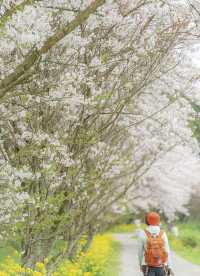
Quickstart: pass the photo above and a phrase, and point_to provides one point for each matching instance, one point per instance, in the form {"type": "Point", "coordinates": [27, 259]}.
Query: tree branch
{"type": "Point", "coordinates": [9, 81]}
{"type": "Point", "coordinates": [10, 12]}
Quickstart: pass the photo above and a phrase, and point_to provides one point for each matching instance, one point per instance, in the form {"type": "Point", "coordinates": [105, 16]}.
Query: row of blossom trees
{"type": "Point", "coordinates": [86, 88]}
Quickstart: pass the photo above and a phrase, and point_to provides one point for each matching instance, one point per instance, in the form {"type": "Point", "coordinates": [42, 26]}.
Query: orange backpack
{"type": "Point", "coordinates": [155, 254]}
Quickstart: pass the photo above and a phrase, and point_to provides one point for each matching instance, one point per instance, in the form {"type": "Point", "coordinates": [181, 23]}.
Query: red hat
{"type": "Point", "coordinates": [153, 218]}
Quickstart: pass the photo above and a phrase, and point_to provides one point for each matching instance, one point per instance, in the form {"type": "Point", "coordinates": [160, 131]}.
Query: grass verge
{"type": "Point", "coordinates": [113, 268]}
{"type": "Point", "coordinates": [187, 245]}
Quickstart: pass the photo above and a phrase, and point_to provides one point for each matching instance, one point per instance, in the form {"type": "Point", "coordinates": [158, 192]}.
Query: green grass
{"type": "Point", "coordinates": [7, 250]}
{"type": "Point", "coordinates": [113, 267]}
{"type": "Point", "coordinates": [123, 228]}
{"type": "Point", "coordinates": [187, 244]}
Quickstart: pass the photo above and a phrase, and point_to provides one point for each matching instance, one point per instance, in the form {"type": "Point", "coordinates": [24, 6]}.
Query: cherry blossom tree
{"type": "Point", "coordinates": [169, 184]}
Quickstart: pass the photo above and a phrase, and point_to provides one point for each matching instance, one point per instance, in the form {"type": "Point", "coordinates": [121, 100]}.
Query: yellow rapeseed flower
{"type": "Point", "coordinates": [90, 263]}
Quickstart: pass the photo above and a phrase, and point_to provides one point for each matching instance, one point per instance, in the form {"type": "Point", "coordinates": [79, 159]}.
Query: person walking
{"type": "Point", "coordinates": [153, 248]}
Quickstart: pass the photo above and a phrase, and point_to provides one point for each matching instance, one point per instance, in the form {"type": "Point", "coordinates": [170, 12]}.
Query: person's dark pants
{"type": "Point", "coordinates": [156, 271]}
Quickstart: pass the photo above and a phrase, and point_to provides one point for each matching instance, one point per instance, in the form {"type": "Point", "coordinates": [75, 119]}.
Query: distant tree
{"type": "Point", "coordinates": [194, 205]}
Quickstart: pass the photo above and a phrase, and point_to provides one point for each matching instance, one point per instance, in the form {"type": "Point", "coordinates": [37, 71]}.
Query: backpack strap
{"type": "Point", "coordinates": [161, 234]}
{"type": "Point", "coordinates": [150, 236]}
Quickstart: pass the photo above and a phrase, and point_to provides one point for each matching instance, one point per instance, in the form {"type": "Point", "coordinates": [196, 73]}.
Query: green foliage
{"type": "Point", "coordinates": [189, 241]}
{"type": "Point", "coordinates": [194, 123]}
{"type": "Point", "coordinates": [195, 127]}
{"type": "Point", "coordinates": [196, 107]}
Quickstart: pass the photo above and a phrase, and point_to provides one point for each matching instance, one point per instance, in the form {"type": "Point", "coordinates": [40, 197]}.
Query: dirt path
{"type": "Point", "coordinates": [129, 261]}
